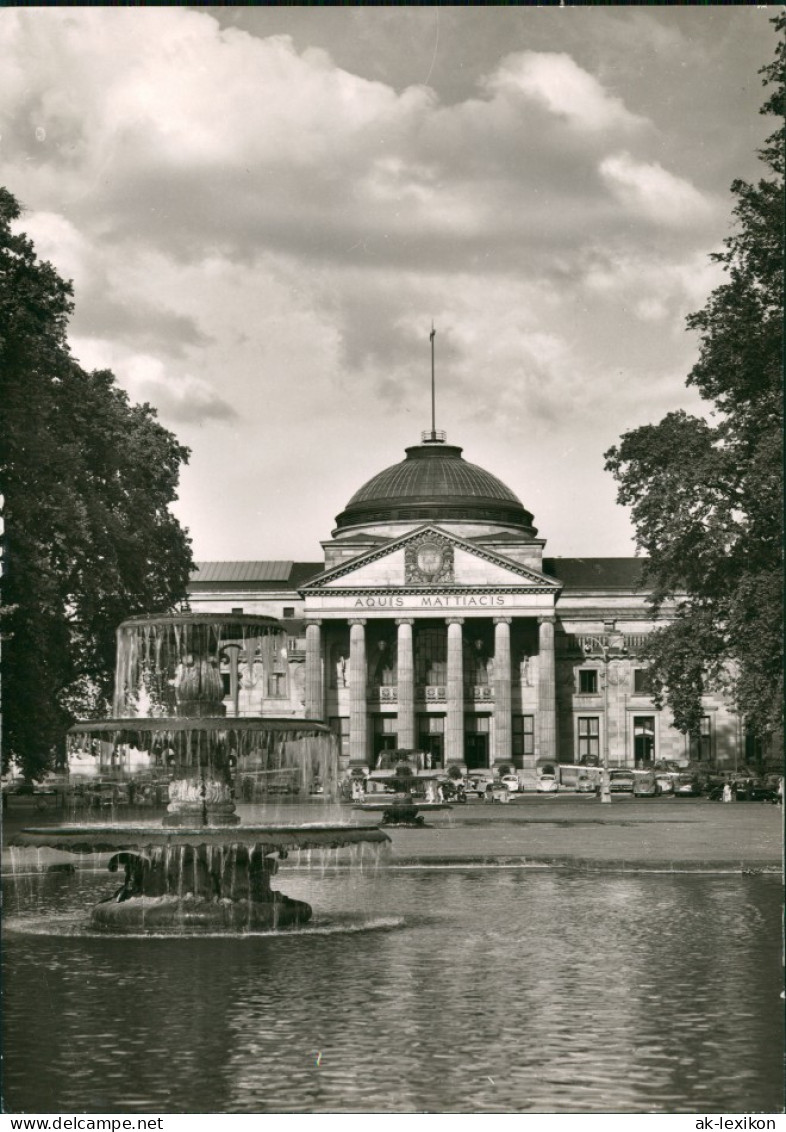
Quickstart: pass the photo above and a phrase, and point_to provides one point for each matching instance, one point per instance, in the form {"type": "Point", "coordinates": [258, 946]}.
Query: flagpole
{"type": "Point", "coordinates": [433, 411]}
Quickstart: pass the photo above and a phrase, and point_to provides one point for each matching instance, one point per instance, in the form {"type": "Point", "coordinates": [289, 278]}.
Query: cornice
{"type": "Point", "coordinates": [429, 591]}
{"type": "Point", "coordinates": [317, 584]}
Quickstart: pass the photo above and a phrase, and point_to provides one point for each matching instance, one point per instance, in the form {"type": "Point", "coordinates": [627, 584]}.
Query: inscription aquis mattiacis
{"type": "Point", "coordinates": [431, 601]}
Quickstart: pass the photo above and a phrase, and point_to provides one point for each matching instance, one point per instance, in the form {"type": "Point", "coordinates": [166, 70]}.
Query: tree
{"type": "Point", "coordinates": [706, 495]}
{"type": "Point", "coordinates": [86, 481]}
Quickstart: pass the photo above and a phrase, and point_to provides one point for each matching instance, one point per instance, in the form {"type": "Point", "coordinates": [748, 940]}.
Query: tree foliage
{"type": "Point", "coordinates": [706, 495]}
{"type": "Point", "coordinates": [86, 479]}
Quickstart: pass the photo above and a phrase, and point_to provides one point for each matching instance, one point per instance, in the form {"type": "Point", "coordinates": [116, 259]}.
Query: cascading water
{"type": "Point", "coordinates": [200, 870]}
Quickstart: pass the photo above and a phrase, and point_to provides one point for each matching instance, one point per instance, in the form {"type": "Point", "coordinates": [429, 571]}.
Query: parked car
{"type": "Point", "coordinates": [757, 790]}
{"type": "Point", "coordinates": [645, 785]}
{"type": "Point", "coordinates": [621, 781]}
{"type": "Point", "coordinates": [511, 781]}
{"type": "Point", "coordinates": [547, 784]}
{"type": "Point", "coordinates": [477, 783]}
{"type": "Point", "coordinates": [279, 788]}
{"type": "Point", "coordinates": [496, 791]}
{"type": "Point", "coordinates": [665, 781]}
{"type": "Point", "coordinates": [586, 785]}
{"type": "Point", "coordinates": [686, 786]}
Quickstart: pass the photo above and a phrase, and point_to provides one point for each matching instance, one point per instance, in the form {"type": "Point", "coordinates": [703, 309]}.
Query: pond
{"type": "Point", "coordinates": [414, 990]}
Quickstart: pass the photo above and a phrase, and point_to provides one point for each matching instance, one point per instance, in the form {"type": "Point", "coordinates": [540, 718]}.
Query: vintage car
{"type": "Point", "coordinates": [645, 784]}
{"type": "Point", "coordinates": [665, 781]}
{"type": "Point", "coordinates": [621, 781]}
{"type": "Point", "coordinates": [686, 786]}
{"type": "Point", "coordinates": [586, 785]}
{"type": "Point", "coordinates": [478, 782]}
{"type": "Point", "coordinates": [547, 784]}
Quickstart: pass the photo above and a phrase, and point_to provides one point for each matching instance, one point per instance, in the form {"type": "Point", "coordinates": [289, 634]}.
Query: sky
{"type": "Point", "coordinates": [262, 210]}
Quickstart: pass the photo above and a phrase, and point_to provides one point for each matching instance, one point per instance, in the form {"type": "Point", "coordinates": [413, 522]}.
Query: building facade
{"type": "Point", "coordinates": [434, 622]}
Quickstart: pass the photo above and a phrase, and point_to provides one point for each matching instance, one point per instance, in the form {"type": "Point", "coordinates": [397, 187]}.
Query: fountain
{"type": "Point", "coordinates": [201, 870]}
{"type": "Point", "coordinates": [409, 789]}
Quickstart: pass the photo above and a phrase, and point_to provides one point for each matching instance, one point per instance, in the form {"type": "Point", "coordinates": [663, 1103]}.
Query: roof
{"type": "Point", "coordinates": [275, 571]}
{"type": "Point", "coordinates": [275, 574]}
{"type": "Point", "coordinates": [574, 573]}
{"type": "Point", "coordinates": [596, 573]}
{"type": "Point", "coordinates": [434, 482]}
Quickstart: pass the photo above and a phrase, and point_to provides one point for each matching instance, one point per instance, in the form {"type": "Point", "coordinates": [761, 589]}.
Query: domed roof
{"type": "Point", "coordinates": [435, 483]}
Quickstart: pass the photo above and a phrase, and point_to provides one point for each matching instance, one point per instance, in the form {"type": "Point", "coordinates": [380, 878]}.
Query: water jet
{"type": "Point", "coordinates": [201, 870]}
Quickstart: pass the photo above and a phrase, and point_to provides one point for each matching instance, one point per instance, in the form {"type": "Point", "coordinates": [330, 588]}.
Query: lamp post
{"type": "Point", "coordinates": [596, 648]}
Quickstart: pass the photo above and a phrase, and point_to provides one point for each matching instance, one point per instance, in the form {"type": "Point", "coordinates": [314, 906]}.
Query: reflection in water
{"type": "Point", "coordinates": [488, 991]}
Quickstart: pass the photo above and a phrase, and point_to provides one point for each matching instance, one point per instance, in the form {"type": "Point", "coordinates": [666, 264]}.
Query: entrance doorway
{"type": "Point", "coordinates": [431, 740]}
{"type": "Point", "coordinates": [383, 743]}
{"type": "Point", "coordinates": [477, 730]}
{"type": "Point", "coordinates": [643, 739]}
{"type": "Point", "coordinates": [385, 737]}
{"type": "Point", "coordinates": [476, 750]}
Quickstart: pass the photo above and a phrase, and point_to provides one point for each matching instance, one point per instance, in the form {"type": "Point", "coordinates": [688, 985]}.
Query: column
{"type": "Point", "coordinates": [547, 701]}
{"type": "Point", "coordinates": [454, 730]}
{"type": "Point", "coordinates": [358, 708]}
{"type": "Point", "coordinates": [315, 695]}
{"type": "Point", "coordinates": [406, 685]}
{"type": "Point", "coordinates": [503, 722]}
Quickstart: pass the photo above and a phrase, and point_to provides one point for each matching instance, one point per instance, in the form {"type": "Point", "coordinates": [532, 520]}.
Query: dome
{"type": "Point", "coordinates": [434, 483]}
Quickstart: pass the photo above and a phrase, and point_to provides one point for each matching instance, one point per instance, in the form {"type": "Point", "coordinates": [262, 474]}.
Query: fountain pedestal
{"type": "Point", "coordinates": [200, 802]}
{"type": "Point", "coordinates": [198, 888]}
{"type": "Point", "coordinates": [402, 809]}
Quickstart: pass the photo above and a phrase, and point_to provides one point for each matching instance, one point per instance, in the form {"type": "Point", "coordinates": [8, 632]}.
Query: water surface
{"type": "Point", "coordinates": [450, 990]}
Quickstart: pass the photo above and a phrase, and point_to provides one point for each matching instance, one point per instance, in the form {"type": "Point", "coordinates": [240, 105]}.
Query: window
{"type": "Point", "coordinates": [480, 724]}
{"type": "Point", "coordinates": [289, 611]}
{"type": "Point", "coordinates": [237, 609]}
{"type": "Point", "coordinates": [523, 737]}
{"type": "Point", "coordinates": [385, 724]}
{"type": "Point", "coordinates": [277, 684]}
{"type": "Point", "coordinates": [642, 682]}
{"type": "Point", "coordinates": [588, 681]}
{"type": "Point", "coordinates": [382, 663]}
{"type": "Point", "coordinates": [589, 736]}
{"type": "Point", "coordinates": [431, 656]}
{"type": "Point", "coordinates": [701, 744]}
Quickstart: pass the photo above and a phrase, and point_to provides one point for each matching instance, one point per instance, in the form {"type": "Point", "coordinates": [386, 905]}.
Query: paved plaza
{"type": "Point", "coordinates": [566, 831]}
{"type": "Point", "coordinates": [628, 833]}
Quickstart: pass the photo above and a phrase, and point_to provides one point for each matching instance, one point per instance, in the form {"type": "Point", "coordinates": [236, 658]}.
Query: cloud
{"type": "Point", "coordinates": [558, 83]}
{"type": "Point", "coordinates": [162, 128]}
{"type": "Point", "coordinates": [56, 238]}
{"type": "Point", "coordinates": [180, 398]}
{"type": "Point", "coordinates": [649, 190]}
{"type": "Point", "coordinates": [259, 235]}
{"type": "Point", "coordinates": [655, 287]}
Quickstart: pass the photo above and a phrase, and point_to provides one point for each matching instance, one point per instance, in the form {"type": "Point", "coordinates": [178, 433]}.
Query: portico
{"type": "Point", "coordinates": [463, 672]}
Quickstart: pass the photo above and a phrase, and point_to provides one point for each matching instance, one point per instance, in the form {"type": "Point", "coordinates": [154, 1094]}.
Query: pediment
{"type": "Point", "coordinates": [430, 559]}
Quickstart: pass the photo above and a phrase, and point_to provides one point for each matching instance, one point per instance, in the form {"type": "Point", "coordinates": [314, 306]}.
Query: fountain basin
{"type": "Point", "coordinates": [401, 811]}
{"type": "Point", "coordinates": [106, 839]}
{"type": "Point", "coordinates": [186, 915]}
{"type": "Point", "coordinates": [205, 879]}
{"type": "Point", "coordinates": [200, 870]}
